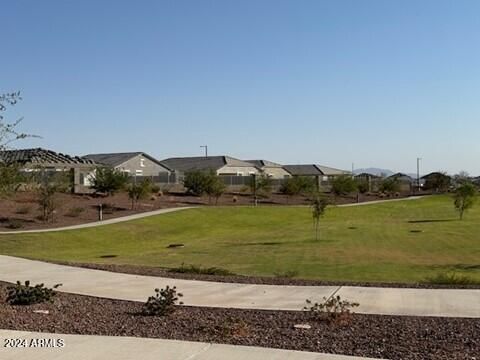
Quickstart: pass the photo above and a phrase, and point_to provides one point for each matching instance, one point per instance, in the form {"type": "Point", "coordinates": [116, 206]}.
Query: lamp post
{"type": "Point", "coordinates": [418, 174]}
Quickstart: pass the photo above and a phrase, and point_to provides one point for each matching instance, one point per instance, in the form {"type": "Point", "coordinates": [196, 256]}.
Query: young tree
{"type": "Point", "coordinates": [464, 197]}
{"type": "Point", "coordinates": [343, 185]}
{"type": "Point", "coordinates": [108, 181]}
{"type": "Point", "coordinates": [139, 191]}
{"type": "Point", "coordinates": [260, 185]}
{"type": "Point", "coordinates": [215, 187]}
{"type": "Point", "coordinates": [8, 132]}
{"type": "Point", "coordinates": [319, 204]}
{"type": "Point", "coordinates": [48, 186]}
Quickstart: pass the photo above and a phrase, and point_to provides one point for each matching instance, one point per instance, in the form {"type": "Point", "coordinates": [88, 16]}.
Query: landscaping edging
{"type": "Point", "coordinates": [392, 337]}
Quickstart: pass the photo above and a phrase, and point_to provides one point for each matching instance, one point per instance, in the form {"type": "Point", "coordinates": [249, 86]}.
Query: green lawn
{"type": "Point", "coordinates": [365, 243]}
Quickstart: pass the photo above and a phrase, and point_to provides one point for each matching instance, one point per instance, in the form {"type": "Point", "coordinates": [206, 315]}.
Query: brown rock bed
{"type": "Point", "coordinates": [278, 280]}
{"type": "Point", "coordinates": [392, 337]}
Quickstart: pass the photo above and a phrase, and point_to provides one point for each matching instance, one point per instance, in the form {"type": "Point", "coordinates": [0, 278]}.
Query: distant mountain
{"type": "Point", "coordinates": [374, 171]}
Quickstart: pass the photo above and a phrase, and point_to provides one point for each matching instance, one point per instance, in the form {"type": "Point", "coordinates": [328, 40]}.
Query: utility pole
{"type": "Point", "coordinates": [206, 149]}
{"type": "Point", "coordinates": [418, 174]}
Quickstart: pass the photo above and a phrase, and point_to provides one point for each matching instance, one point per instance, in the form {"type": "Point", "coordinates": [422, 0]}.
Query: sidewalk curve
{"type": "Point", "coordinates": [165, 211]}
{"type": "Point", "coordinates": [100, 223]}
{"type": "Point", "coordinates": [86, 347]}
{"type": "Point", "coordinates": [386, 301]}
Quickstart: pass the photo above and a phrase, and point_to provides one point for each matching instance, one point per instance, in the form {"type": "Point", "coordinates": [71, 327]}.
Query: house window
{"type": "Point", "coordinates": [239, 173]}
{"type": "Point", "coordinates": [142, 162]}
{"type": "Point", "coordinates": [138, 172]}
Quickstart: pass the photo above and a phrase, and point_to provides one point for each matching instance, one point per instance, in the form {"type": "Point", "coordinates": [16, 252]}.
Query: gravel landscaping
{"type": "Point", "coordinates": [278, 280]}
{"type": "Point", "coordinates": [392, 337]}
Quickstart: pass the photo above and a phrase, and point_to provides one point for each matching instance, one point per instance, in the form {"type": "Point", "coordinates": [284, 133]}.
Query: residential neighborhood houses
{"type": "Point", "coordinates": [140, 165]}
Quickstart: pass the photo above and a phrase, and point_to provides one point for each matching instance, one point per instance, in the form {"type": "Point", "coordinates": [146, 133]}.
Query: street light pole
{"type": "Point", "coordinates": [206, 149]}
{"type": "Point", "coordinates": [418, 174]}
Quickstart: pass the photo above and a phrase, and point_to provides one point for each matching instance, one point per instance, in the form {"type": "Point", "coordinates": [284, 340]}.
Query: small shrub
{"type": "Point", "coordinates": [334, 310]}
{"type": "Point", "coordinates": [162, 303]}
{"type": "Point", "coordinates": [75, 212]}
{"type": "Point", "coordinates": [19, 294]}
{"type": "Point", "coordinates": [15, 224]}
{"type": "Point", "coordinates": [193, 269]}
{"type": "Point", "coordinates": [155, 189]}
{"type": "Point", "coordinates": [450, 278]}
{"type": "Point", "coordinates": [23, 210]}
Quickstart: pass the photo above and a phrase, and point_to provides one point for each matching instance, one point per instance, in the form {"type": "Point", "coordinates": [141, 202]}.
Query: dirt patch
{"type": "Point", "coordinates": [392, 337]}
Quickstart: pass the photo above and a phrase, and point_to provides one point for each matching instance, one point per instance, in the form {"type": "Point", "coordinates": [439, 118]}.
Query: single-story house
{"type": "Point", "coordinates": [405, 181]}
{"type": "Point", "coordinates": [324, 174]}
{"type": "Point", "coordinates": [38, 159]}
{"type": "Point", "coordinates": [437, 181]}
{"type": "Point", "coordinates": [372, 180]}
{"type": "Point", "coordinates": [222, 165]}
{"type": "Point", "coordinates": [132, 163]}
{"type": "Point", "coordinates": [272, 169]}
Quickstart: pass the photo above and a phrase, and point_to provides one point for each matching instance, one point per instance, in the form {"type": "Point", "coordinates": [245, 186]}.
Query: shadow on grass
{"type": "Point", "coordinates": [429, 221]}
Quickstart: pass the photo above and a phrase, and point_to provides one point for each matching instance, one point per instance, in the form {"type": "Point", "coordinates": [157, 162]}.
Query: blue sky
{"type": "Point", "coordinates": [377, 83]}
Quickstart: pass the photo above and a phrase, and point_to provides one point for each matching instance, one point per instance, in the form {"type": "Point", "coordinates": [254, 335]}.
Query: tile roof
{"type": "Point", "coordinates": [262, 163]}
{"type": "Point", "coordinates": [313, 170]}
{"type": "Point", "coordinates": [42, 157]}
{"type": "Point", "coordinates": [116, 159]}
{"type": "Point", "coordinates": [203, 163]}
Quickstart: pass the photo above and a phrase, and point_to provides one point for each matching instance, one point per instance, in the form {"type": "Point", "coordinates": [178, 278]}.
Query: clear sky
{"type": "Point", "coordinates": [377, 83]}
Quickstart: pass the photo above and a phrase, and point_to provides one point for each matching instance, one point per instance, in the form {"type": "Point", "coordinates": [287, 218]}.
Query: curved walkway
{"type": "Point", "coordinates": [387, 301]}
{"type": "Point", "coordinates": [100, 223]}
{"type": "Point", "coordinates": [87, 347]}
{"type": "Point", "coordinates": [164, 211]}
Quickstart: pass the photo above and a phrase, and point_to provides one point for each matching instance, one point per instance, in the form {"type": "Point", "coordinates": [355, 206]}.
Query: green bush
{"type": "Point", "coordinates": [108, 181]}
{"type": "Point", "coordinates": [193, 269]}
{"type": "Point", "coordinates": [155, 189]}
{"type": "Point", "coordinates": [19, 294]}
{"type": "Point", "coordinates": [162, 303]}
{"type": "Point", "coordinates": [343, 185]}
{"type": "Point", "coordinates": [450, 278]}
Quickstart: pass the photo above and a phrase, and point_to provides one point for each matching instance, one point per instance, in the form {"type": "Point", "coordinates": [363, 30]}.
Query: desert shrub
{"type": "Point", "coordinates": [332, 309]}
{"type": "Point", "coordinates": [75, 211]}
{"type": "Point", "coordinates": [196, 182]}
{"type": "Point", "coordinates": [389, 185]}
{"type": "Point", "coordinates": [297, 185]}
{"type": "Point", "coordinates": [19, 294]}
{"type": "Point", "coordinates": [108, 181]}
{"type": "Point", "coordinates": [450, 278]}
{"type": "Point", "coordinates": [163, 302]}
{"type": "Point", "coordinates": [194, 269]}
{"type": "Point", "coordinates": [363, 186]}
{"type": "Point", "coordinates": [343, 185]}
{"type": "Point", "coordinates": [139, 191]}
{"type": "Point", "coordinates": [14, 224]}
{"type": "Point", "coordinates": [23, 210]}
{"type": "Point", "coordinates": [155, 189]}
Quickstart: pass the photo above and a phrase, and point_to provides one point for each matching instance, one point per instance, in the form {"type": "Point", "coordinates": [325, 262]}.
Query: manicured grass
{"type": "Point", "coordinates": [404, 241]}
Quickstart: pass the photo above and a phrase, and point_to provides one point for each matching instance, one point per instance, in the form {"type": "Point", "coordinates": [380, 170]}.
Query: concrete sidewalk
{"type": "Point", "coordinates": [86, 347]}
{"type": "Point", "coordinates": [387, 301]}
